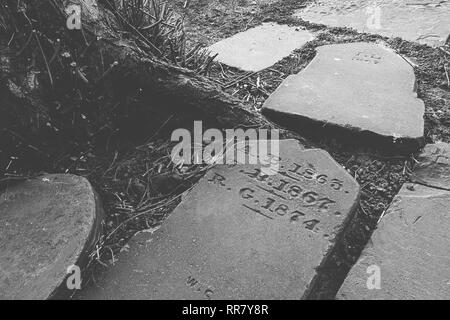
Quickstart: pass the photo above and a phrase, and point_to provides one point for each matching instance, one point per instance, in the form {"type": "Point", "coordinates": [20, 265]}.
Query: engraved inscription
{"type": "Point", "coordinates": [218, 179]}
{"type": "Point", "coordinates": [298, 193]}
{"type": "Point", "coordinates": [441, 155]}
{"type": "Point", "coordinates": [367, 57]}
{"type": "Point", "coordinates": [199, 287]}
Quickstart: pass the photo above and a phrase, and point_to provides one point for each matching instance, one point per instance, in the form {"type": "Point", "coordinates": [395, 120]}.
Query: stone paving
{"type": "Point", "coordinates": [426, 22]}
{"type": "Point", "coordinates": [410, 249]}
{"type": "Point", "coordinates": [241, 234]}
{"type": "Point", "coordinates": [47, 224]}
{"type": "Point", "coordinates": [433, 168]}
{"type": "Point", "coordinates": [354, 86]}
{"type": "Point", "coordinates": [260, 47]}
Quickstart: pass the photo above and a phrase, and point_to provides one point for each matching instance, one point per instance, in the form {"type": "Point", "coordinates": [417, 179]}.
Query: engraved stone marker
{"type": "Point", "coordinates": [240, 234]}
{"type": "Point", "coordinates": [260, 47]}
{"type": "Point", "coordinates": [426, 22]}
{"type": "Point", "coordinates": [409, 252]}
{"type": "Point", "coordinates": [47, 224]}
{"type": "Point", "coordinates": [359, 86]}
{"type": "Point", "coordinates": [434, 166]}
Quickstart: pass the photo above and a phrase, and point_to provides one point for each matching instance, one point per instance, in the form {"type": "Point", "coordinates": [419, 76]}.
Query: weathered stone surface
{"type": "Point", "coordinates": [360, 86]}
{"type": "Point", "coordinates": [240, 235]}
{"type": "Point", "coordinates": [426, 22]}
{"type": "Point", "coordinates": [433, 168]}
{"type": "Point", "coordinates": [46, 225]}
{"type": "Point", "coordinates": [260, 47]}
{"type": "Point", "coordinates": [411, 248]}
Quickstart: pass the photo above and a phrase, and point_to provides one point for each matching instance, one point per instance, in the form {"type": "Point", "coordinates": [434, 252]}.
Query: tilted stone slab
{"type": "Point", "coordinates": [359, 86]}
{"type": "Point", "coordinates": [410, 247]}
{"type": "Point", "coordinates": [433, 168]}
{"type": "Point", "coordinates": [260, 47]}
{"type": "Point", "coordinates": [426, 22]}
{"type": "Point", "coordinates": [240, 234]}
{"type": "Point", "coordinates": [46, 225]}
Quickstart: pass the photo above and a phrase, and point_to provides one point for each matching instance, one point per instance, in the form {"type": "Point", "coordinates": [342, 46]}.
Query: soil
{"type": "Point", "coordinates": [128, 161]}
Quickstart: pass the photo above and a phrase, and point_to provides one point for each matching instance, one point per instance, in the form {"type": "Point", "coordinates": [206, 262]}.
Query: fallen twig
{"type": "Point", "coordinates": [446, 74]}
{"type": "Point", "coordinates": [445, 51]}
{"type": "Point", "coordinates": [45, 59]}
{"type": "Point", "coordinates": [245, 76]}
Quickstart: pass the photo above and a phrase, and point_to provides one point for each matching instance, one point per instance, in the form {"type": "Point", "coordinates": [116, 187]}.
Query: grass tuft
{"type": "Point", "coordinates": [159, 30]}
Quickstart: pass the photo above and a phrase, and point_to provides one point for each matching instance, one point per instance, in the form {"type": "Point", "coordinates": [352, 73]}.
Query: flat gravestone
{"type": "Point", "coordinates": [259, 47]}
{"type": "Point", "coordinates": [47, 224]}
{"type": "Point", "coordinates": [433, 168]}
{"type": "Point", "coordinates": [359, 86]}
{"type": "Point", "coordinates": [409, 250]}
{"type": "Point", "coordinates": [240, 234]}
{"type": "Point", "coordinates": [426, 22]}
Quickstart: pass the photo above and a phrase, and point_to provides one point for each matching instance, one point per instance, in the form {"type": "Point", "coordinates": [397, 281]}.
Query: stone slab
{"type": "Point", "coordinates": [426, 22]}
{"type": "Point", "coordinates": [433, 168]}
{"type": "Point", "coordinates": [260, 47]}
{"type": "Point", "coordinates": [240, 235]}
{"type": "Point", "coordinates": [359, 86]}
{"type": "Point", "coordinates": [411, 248]}
{"type": "Point", "coordinates": [46, 225]}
